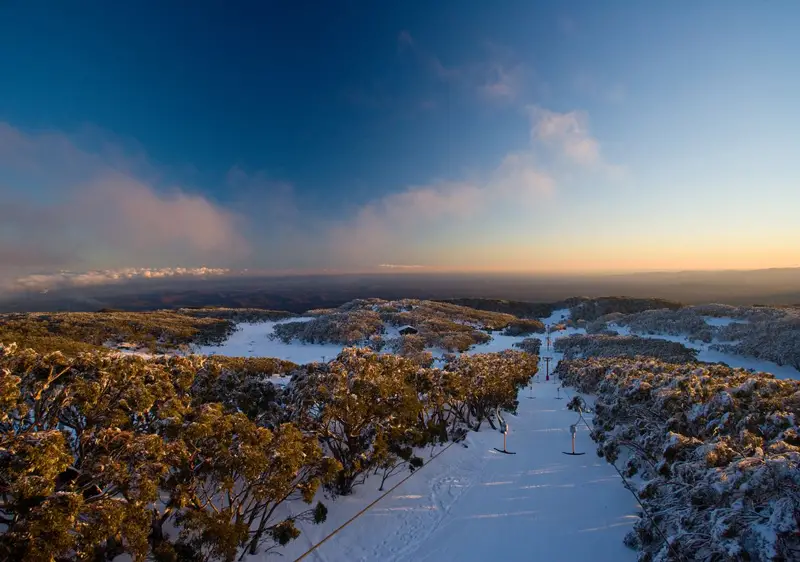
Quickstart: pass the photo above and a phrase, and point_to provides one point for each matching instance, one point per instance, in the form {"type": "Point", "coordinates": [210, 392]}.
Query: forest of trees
{"type": "Point", "coordinates": [185, 459]}
{"type": "Point", "coordinates": [717, 452]}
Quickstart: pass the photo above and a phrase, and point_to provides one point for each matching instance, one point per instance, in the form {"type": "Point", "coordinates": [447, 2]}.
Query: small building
{"type": "Point", "coordinates": [408, 331]}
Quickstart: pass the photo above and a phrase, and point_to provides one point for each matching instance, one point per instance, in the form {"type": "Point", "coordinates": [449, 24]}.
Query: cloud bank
{"type": "Point", "coordinates": [66, 207]}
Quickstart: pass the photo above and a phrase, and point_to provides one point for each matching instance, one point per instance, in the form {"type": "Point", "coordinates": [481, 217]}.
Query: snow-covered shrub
{"type": "Point", "coordinates": [238, 315]}
{"type": "Point", "coordinates": [529, 345]}
{"type": "Point", "coordinates": [524, 328]}
{"type": "Point", "coordinates": [682, 322]}
{"type": "Point", "coordinates": [74, 332]}
{"type": "Point", "coordinates": [600, 325]}
{"type": "Point", "coordinates": [717, 449]}
{"type": "Point", "coordinates": [601, 345]}
{"type": "Point", "coordinates": [348, 328]}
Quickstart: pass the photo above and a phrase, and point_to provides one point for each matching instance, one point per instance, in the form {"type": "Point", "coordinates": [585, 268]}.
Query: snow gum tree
{"type": "Point", "coordinates": [365, 411]}
{"type": "Point", "coordinates": [479, 384]}
{"type": "Point", "coordinates": [232, 477]}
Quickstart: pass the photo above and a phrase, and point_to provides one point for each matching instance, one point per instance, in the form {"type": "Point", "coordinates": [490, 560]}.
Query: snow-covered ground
{"type": "Point", "coordinates": [476, 504]}
{"type": "Point", "coordinates": [723, 321]}
{"type": "Point", "coordinates": [253, 340]}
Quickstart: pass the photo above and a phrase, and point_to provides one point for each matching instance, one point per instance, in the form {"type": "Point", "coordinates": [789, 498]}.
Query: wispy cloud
{"type": "Point", "coordinates": [498, 78]}
{"type": "Point", "coordinates": [400, 266]}
{"type": "Point", "coordinates": [568, 134]}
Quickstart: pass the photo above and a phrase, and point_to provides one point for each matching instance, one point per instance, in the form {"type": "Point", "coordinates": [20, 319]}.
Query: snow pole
{"type": "Point", "coordinates": [558, 394]}
{"type": "Point", "coordinates": [504, 431]}
{"type": "Point", "coordinates": [573, 429]}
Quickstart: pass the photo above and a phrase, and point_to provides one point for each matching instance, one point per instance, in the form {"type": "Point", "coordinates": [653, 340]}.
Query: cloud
{"type": "Point", "coordinates": [68, 207]}
{"type": "Point", "coordinates": [497, 79]}
{"type": "Point", "coordinates": [419, 223]}
{"type": "Point", "coordinates": [400, 266]}
{"type": "Point", "coordinates": [108, 276]}
{"type": "Point", "coordinates": [568, 132]}
{"type": "Point", "coordinates": [568, 135]}
{"type": "Point", "coordinates": [399, 224]}
{"type": "Point", "coordinates": [501, 83]}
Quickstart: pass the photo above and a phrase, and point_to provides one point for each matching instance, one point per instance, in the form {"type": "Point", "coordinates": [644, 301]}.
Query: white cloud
{"type": "Point", "coordinates": [568, 135]}
{"type": "Point", "coordinates": [568, 132]}
{"type": "Point", "coordinates": [104, 277]}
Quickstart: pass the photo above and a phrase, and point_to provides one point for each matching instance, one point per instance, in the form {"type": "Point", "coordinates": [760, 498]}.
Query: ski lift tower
{"type": "Point", "coordinates": [547, 363]}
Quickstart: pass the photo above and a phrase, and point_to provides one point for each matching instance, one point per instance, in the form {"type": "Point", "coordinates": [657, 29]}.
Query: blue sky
{"type": "Point", "coordinates": [580, 136]}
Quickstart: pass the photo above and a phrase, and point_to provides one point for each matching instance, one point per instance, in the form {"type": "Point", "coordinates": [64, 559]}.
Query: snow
{"type": "Point", "coordinates": [253, 340]}
{"type": "Point", "coordinates": [723, 321]}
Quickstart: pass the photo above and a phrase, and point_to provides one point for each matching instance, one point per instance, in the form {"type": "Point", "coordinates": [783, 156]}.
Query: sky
{"type": "Point", "coordinates": [390, 136]}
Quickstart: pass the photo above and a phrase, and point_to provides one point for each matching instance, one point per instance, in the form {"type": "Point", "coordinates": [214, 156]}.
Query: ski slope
{"type": "Point", "coordinates": [475, 504]}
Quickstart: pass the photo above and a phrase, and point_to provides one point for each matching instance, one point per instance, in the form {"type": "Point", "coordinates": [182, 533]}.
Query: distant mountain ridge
{"type": "Point", "coordinates": [300, 293]}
